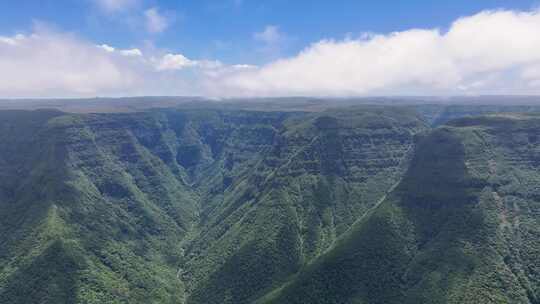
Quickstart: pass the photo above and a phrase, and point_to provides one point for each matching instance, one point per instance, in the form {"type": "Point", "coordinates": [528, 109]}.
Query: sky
{"type": "Point", "coordinates": [245, 48]}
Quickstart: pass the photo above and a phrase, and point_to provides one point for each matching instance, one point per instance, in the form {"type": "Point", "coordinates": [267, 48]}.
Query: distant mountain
{"type": "Point", "coordinates": [226, 203]}
{"type": "Point", "coordinates": [276, 104]}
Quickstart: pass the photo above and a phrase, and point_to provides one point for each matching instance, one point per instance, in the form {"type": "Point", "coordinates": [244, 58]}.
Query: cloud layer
{"type": "Point", "coordinates": [493, 52]}
{"type": "Point", "coordinates": [46, 63]}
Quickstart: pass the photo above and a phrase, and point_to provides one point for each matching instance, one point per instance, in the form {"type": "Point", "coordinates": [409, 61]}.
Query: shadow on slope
{"type": "Point", "coordinates": [417, 246]}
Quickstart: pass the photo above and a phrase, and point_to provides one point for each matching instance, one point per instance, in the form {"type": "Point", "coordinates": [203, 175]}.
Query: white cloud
{"type": "Point", "coordinates": [417, 61]}
{"type": "Point", "coordinates": [127, 52]}
{"type": "Point", "coordinates": [47, 63]}
{"type": "Point", "coordinates": [269, 35]}
{"type": "Point", "coordinates": [131, 53]}
{"type": "Point", "coordinates": [155, 21]}
{"type": "Point", "coordinates": [107, 48]}
{"type": "Point", "coordinates": [12, 40]}
{"type": "Point", "coordinates": [532, 75]}
{"type": "Point", "coordinates": [174, 62]}
{"type": "Point", "coordinates": [112, 6]}
{"type": "Point", "coordinates": [244, 66]}
{"type": "Point", "coordinates": [495, 52]}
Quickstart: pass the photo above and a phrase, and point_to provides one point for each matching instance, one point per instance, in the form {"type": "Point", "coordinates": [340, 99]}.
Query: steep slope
{"type": "Point", "coordinates": [356, 205]}
{"type": "Point", "coordinates": [97, 208]}
{"type": "Point", "coordinates": [135, 208]}
{"type": "Point", "coordinates": [29, 167]}
{"type": "Point", "coordinates": [461, 227]}
{"type": "Point", "coordinates": [323, 171]}
{"type": "Point", "coordinates": [110, 223]}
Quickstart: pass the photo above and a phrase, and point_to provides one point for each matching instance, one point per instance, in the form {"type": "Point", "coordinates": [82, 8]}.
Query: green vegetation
{"type": "Point", "coordinates": [459, 228]}
{"type": "Point", "coordinates": [365, 204]}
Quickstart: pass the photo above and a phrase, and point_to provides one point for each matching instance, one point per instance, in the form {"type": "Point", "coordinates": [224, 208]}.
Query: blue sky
{"type": "Point", "coordinates": [190, 36]}
{"type": "Point", "coordinates": [225, 29]}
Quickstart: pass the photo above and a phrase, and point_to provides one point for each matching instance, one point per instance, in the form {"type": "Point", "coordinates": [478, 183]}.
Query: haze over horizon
{"type": "Point", "coordinates": [235, 48]}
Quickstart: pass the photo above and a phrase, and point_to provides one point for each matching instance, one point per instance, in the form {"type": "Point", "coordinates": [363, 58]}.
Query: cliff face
{"type": "Point", "coordinates": [355, 205]}
{"type": "Point", "coordinates": [322, 172]}
{"type": "Point", "coordinates": [461, 226]}
{"type": "Point", "coordinates": [117, 195]}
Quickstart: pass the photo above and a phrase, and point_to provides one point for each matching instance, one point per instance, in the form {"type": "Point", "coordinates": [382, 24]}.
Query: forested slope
{"type": "Point", "coordinates": [461, 227]}
{"type": "Point", "coordinates": [364, 204]}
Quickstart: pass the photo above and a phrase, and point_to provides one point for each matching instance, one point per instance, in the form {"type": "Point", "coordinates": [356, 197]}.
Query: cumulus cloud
{"type": "Point", "coordinates": [155, 21]}
{"type": "Point", "coordinates": [481, 53]}
{"type": "Point", "coordinates": [493, 52]}
{"type": "Point", "coordinates": [174, 62]}
{"type": "Point", "coordinates": [47, 63]}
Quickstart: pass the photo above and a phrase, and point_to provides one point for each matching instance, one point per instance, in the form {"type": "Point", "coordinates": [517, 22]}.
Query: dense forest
{"type": "Point", "coordinates": [203, 203]}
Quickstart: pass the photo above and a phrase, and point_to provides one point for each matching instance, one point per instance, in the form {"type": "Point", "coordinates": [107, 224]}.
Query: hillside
{"type": "Point", "coordinates": [462, 226]}
{"type": "Point", "coordinates": [365, 204]}
{"type": "Point", "coordinates": [322, 172]}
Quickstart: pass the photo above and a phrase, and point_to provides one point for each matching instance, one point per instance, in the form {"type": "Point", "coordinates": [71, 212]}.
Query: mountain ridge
{"type": "Point", "coordinates": [166, 205]}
